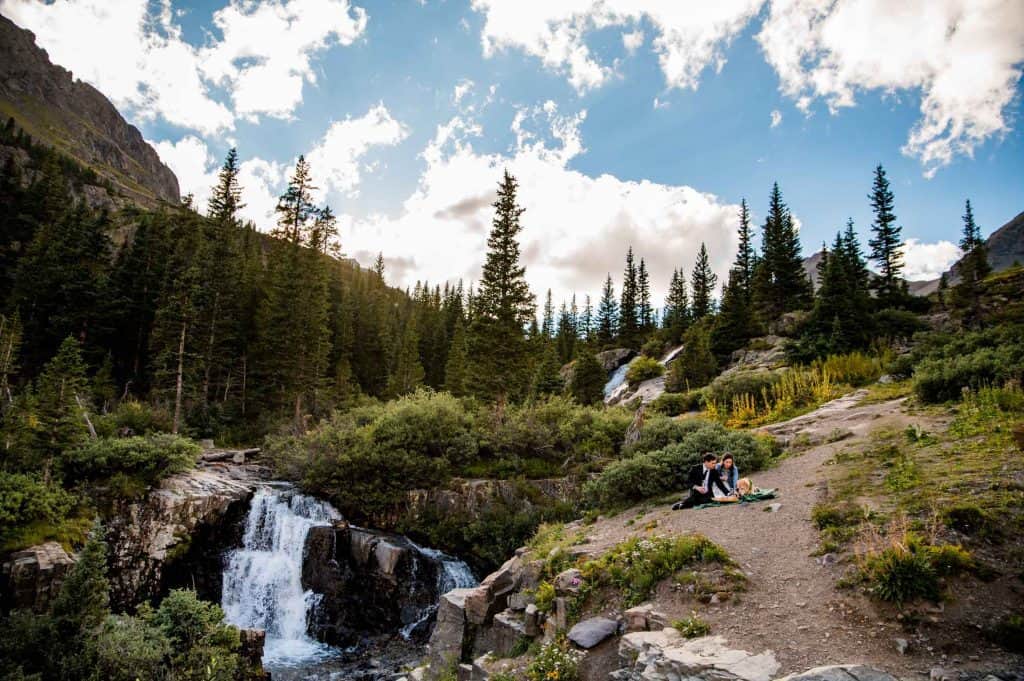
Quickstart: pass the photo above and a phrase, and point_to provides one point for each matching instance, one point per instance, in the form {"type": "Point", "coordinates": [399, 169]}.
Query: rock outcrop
{"type": "Point", "coordinates": [74, 117]}
{"type": "Point", "coordinates": [30, 578]}
{"type": "Point", "coordinates": [371, 583]}
{"type": "Point", "coordinates": [174, 536]}
{"type": "Point", "coordinates": [651, 655]}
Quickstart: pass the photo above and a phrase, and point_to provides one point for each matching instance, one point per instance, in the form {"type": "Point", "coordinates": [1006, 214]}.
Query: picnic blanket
{"type": "Point", "coordinates": [759, 495]}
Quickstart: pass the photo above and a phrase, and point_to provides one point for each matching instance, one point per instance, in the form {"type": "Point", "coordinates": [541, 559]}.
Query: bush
{"type": "Point", "coordinates": [696, 364]}
{"type": "Point", "coordinates": [202, 645]}
{"type": "Point", "coordinates": [943, 378]}
{"type": "Point", "coordinates": [692, 627]}
{"type": "Point", "coordinates": [654, 348]}
{"type": "Point", "coordinates": [556, 661]}
{"type": "Point", "coordinates": [659, 432]}
{"type": "Point", "coordinates": [147, 459]}
{"type": "Point", "coordinates": [909, 568]}
{"type": "Point", "coordinates": [898, 324]}
{"type": "Point", "coordinates": [673, 404]}
{"type": "Point", "coordinates": [132, 417]}
{"type": "Point", "coordinates": [854, 368]}
{"type": "Point", "coordinates": [27, 499]}
{"type": "Point", "coordinates": [643, 368]}
{"type": "Point", "coordinates": [723, 389]}
{"type": "Point", "coordinates": [544, 597]}
{"type": "Point", "coordinates": [656, 473]}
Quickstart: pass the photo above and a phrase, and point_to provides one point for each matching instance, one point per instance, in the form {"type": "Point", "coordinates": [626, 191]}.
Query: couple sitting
{"type": "Point", "coordinates": [712, 481]}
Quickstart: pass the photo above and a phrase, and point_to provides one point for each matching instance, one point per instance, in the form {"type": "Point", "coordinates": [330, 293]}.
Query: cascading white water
{"type": "Point", "coordinates": [617, 380]}
{"type": "Point", "coordinates": [452, 574]}
{"type": "Point", "coordinates": [263, 579]}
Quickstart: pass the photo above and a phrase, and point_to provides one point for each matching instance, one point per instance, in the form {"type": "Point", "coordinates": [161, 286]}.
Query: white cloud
{"type": "Point", "coordinates": [576, 227]}
{"type": "Point", "coordinates": [136, 59]}
{"type": "Point", "coordinates": [923, 261]}
{"type": "Point", "coordinates": [261, 181]}
{"type": "Point", "coordinates": [462, 88]}
{"type": "Point", "coordinates": [963, 56]}
{"type": "Point", "coordinates": [776, 118]}
{"type": "Point", "coordinates": [660, 104]}
{"type": "Point", "coordinates": [633, 40]}
{"type": "Point", "coordinates": [336, 160]}
{"type": "Point", "coordinates": [687, 36]}
{"type": "Point", "coordinates": [266, 46]}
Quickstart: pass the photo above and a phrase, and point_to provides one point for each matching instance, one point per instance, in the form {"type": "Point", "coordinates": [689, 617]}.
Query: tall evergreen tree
{"type": "Point", "coordinates": [629, 323]}
{"type": "Point", "coordinates": [226, 199]}
{"type": "Point", "coordinates": [676, 316]}
{"type": "Point", "coordinates": [547, 326]}
{"type": "Point", "coordinates": [565, 338]}
{"type": "Point", "coordinates": [408, 373]}
{"type": "Point", "coordinates": [61, 404]}
{"type": "Point", "coordinates": [746, 257]}
{"type": "Point", "coordinates": [455, 369]}
{"type": "Point", "coordinates": [645, 312]}
{"type": "Point", "coordinates": [779, 282]}
{"type": "Point", "coordinates": [972, 268]}
{"type": "Point", "coordinates": [547, 379]}
{"type": "Point", "coordinates": [703, 282]}
{"type": "Point", "coordinates": [607, 314]}
{"type": "Point", "coordinates": [588, 379]}
{"type": "Point", "coordinates": [503, 306]}
{"type": "Point", "coordinates": [585, 328]}
{"type": "Point", "coordinates": [886, 244]}
{"type": "Point", "coordinates": [735, 324]}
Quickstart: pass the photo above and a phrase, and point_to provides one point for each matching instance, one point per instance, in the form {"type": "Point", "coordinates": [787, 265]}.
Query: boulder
{"type": "Point", "coordinates": [664, 654]}
{"type": "Point", "coordinates": [568, 582]}
{"type": "Point", "coordinates": [31, 578]}
{"type": "Point", "coordinates": [251, 653]}
{"type": "Point", "coordinates": [841, 672]}
{"type": "Point", "coordinates": [507, 629]}
{"type": "Point", "coordinates": [590, 632]}
{"type": "Point", "coordinates": [531, 625]}
{"type": "Point", "coordinates": [644, 617]}
{"type": "Point", "coordinates": [493, 593]}
{"type": "Point", "coordinates": [611, 360]}
{"type": "Point", "coordinates": [449, 635]}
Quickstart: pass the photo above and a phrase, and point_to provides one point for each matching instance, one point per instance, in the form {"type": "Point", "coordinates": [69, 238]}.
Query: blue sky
{"type": "Point", "coordinates": [650, 145]}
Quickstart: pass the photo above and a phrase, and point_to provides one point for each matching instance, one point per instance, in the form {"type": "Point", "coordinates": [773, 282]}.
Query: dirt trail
{"type": "Point", "coordinates": [791, 605]}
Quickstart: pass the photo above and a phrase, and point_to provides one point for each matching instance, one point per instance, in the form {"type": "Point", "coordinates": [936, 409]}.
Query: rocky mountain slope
{"type": "Point", "coordinates": [47, 102]}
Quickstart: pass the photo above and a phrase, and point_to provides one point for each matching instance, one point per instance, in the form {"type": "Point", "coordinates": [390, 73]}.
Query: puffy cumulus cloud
{"type": "Point", "coordinates": [136, 58]}
{"type": "Point", "coordinates": [776, 118]}
{"type": "Point", "coordinates": [633, 40]}
{"type": "Point", "coordinates": [337, 159]}
{"type": "Point", "coordinates": [963, 56]}
{"type": "Point", "coordinates": [462, 88]}
{"type": "Point", "coordinates": [264, 54]}
{"type": "Point", "coordinates": [134, 53]}
{"type": "Point", "coordinates": [197, 169]}
{"type": "Point", "coordinates": [687, 36]}
{"type": "Point", "coordinates": [924, 261]}
{"type": "Point", "coordinates": [575, 228]}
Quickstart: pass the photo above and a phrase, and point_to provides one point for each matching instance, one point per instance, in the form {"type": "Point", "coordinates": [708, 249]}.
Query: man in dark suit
{"type": "Point", "coordinates": [702, 480]}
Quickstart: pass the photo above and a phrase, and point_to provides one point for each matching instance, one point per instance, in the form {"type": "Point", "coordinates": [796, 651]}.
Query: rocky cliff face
{"type": "Point", "coordinates": [47, 102]}
{"type": "Point", "coordinates": [372, 583]}
{"type": "Point", "coordinates": [174, 536]}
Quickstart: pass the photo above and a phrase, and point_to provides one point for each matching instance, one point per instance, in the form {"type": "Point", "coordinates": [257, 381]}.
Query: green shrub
{"type": "Point", "coordinates": [544, 597]}
{"type": "Point", "coordinates": [944, 378]}
{"type": "Point", "coordinates": [128, 649]}
{"type": "Point", "coordinates": [643, 368]}
{"type": "Point", "coordinates": [723, 389]}
{"type": "Point", "coordinates": [971, 520]}
{"type": "Point", "coordinates": [1009, 633]}
{"type": "Point", "coordinates": [203, 646]}
{"type": "Point", "coordinates": [654, 348]}
{"type": "Point", "coordinates": [556, 661]}
{"type": "Point", "coordinates": [659, 432]}
{"type": "Point", "coordinates": [147, 459]}
{"type": "Point", "coordinates": [909, 568]}
{"type": "Point", "coordinates": [28, 499]}
{"type": "Point", "coordinates": [898, 324]}
{"type": "Point", "coordinates": [661, 471]}
{"type": "Point", "coordinates": [673, 404]}
{"type": "Point", "coordinates": [131, 417]}
{"type": "Point", "coordinates": [692, 627]}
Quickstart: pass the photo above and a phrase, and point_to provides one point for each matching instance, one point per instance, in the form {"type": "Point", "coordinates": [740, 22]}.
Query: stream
{"type": "Point", "coordinates": [263, 590]}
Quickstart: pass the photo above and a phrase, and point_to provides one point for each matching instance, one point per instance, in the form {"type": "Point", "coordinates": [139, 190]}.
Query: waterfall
{"type": "Point", "coordinates": [617, 380]}
{"type": "Point", "coordinates": [263, 579]}
{"type": "Point", "coordinates": [452, 574]}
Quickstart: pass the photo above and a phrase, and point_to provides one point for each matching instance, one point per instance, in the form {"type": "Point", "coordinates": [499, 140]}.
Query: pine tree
{"type": "Point", "coordinates": [503, 306]}
{"type": "Point", "coordinates": [10, 346]}
{"type": "Point", "coordinates": [746, 258]}
{"type": "Point", "coordinates": [548, 379]}
{"type": "Point", "coordinates": [703, 282]}
{"type": "Point", "coordinates": [972, 268]}
{"type": "Point", "coordinates": [565, 338]}
{"type": "Point", "coordinates": [629, 323]}
{"type": "Point", "coordinates": [735, 324]}
{"type": "Point", "coordinates": [886, 244]}
{"type": "Point", "coordinates": [408, 373]}
{"type": "Point", "coordinates": [548, 325]}
{"type": "Point", "coordinates": [645, 311]}
{"type": "Point", "coordinates": [83, 601]}
{"type": "Point", "coordinates": [61, 404]}
{"type": "Point", "coordinates": [677, 308]}
{"type": "Point", "coordinates": [779, 283]}
{"type": "Point", "coordinates": [378, 266]}
{"type": "Point", "coordinates": [607, 314]}
{"type": "Point", "coordinates": [226, 200]}
{"type": "Point", "coordinates": [588, 379]}
{"type": "Point", "coordinates": [696, 364]}
{"type": "Point", "coordinates": [585, 328]}
{"type": "Point", "coordinates": [455, 370]}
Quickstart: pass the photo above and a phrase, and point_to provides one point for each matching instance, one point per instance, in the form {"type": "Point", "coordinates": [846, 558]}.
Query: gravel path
{"type": "Point", "coordinates": [791, 606]}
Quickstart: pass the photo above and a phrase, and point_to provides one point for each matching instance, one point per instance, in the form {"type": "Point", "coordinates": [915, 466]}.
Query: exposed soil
{"type": "Point", "coordinates": [792, 605]}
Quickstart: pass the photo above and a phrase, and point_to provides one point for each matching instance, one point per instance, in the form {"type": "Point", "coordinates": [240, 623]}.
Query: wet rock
{"type": "Point", "coordinates": [31, 578]}
{"type": "Point", "coordinates": [251, 653]}
{"type": "Point", "coordinates": [589, 633]}
{"type": "Point", "coordinates": [450, 630]}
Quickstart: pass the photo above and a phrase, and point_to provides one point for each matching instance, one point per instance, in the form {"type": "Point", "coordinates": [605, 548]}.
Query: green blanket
{"type": "Point", "coordinates": [759, 495]}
